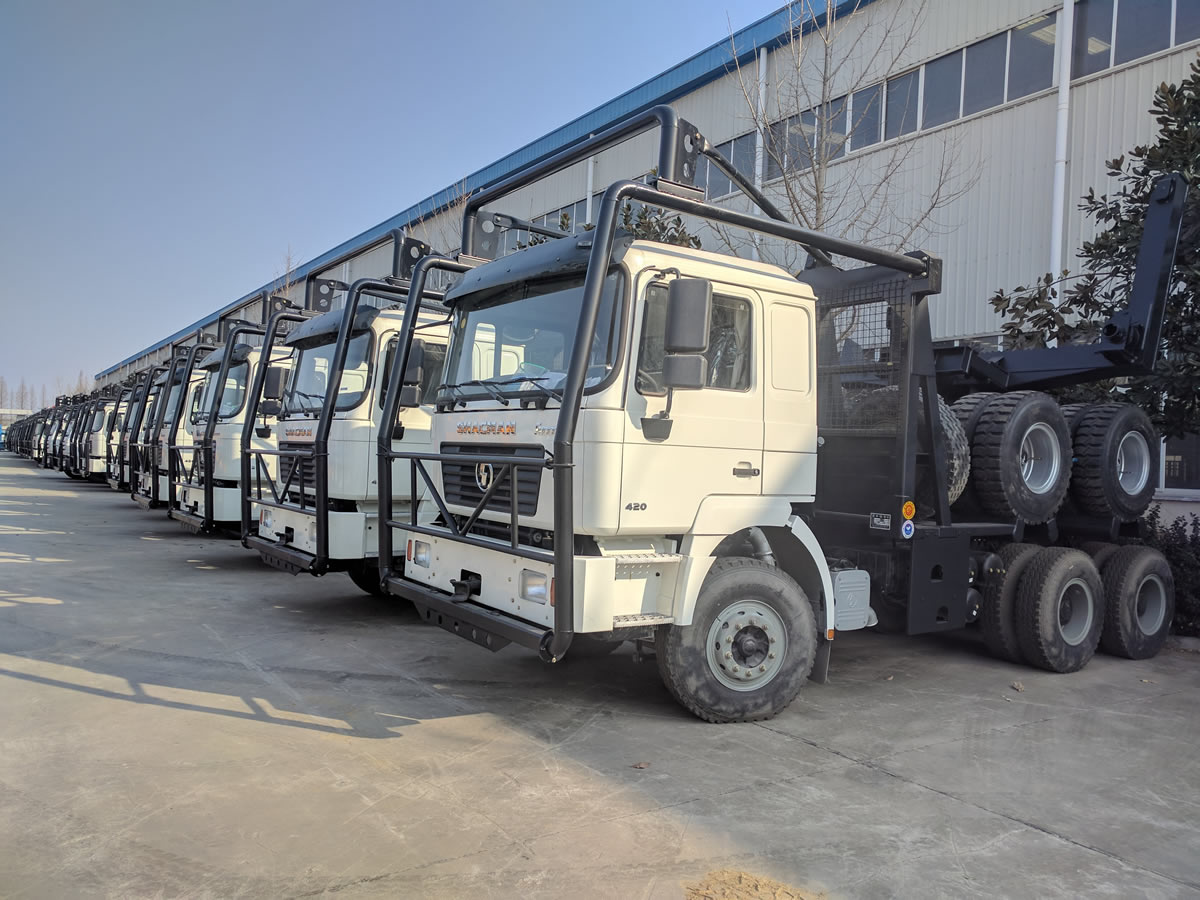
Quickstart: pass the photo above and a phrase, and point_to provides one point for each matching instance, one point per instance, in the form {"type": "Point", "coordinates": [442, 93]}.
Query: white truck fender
{"type": "Point", "coordinates": [721, 516]}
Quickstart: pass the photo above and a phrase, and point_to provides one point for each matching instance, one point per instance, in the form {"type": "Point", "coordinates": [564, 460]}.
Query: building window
{"type": "Point", "coordinates": [1181, 463]}
{"type": "Point", "coordinates": [901, 109]}
{"type": "Point", "coordinates": [943, 90]}
{"type": "Point", "coordinates": [1093, 37]}
{"type": "Point", "coordinates": [984, 83]}
{"type": "Point", "coordinates": [865, 109]}
{"type": "Point", "coordinates": [1031, 57]}
{"type": "Point", "coordinates": [1187, 21]}
{"type": "Point", "coordinates": [741, 153]}
{"type": "Point", "coordinates": [1143, 28]}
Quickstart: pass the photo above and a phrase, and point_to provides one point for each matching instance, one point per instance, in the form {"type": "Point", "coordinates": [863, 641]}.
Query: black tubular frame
{"type": "Point", "coordinates": [136, 444]}
{"type": "Point", "coordinates": [391, 409]}
{"type": "Point", "coordinates": [680, 143]}
{"type": "Point", "coordinates": [181, 356]}
{"type": "Point", "coordinates": [319, 452]}
{"type": "Point", "coordinates": [288, 314]}
{"type": "Point", "coordinates": [134, 387]}
{"type": "Point", "coordinates": [176, 469]}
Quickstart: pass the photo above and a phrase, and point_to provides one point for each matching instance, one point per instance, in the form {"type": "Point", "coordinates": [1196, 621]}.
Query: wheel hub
{"type": "Point", "coordinates": [747, 645]}
{"type": "Point", "coordinates": [1075, 612]}
{"type": "Point", "coordinates": [1039, 456]}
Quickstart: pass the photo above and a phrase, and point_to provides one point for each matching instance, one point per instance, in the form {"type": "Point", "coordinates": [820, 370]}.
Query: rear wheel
{"type": "Point", "coordinates": [998, 618]}
{"type": "Point", "coordinates": [1060, 610]}
{"type": "Point", "coordinates": [1140, 593]}
{"type": "Point", "coordinates": [1100, 552]}
{"type": "Point", "coordinates": [749, 649]}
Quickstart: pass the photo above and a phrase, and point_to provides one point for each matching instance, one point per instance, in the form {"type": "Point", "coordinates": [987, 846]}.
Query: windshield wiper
{"type": "Point", "coordinates": [489, 386]}
{"type": "Point", "coordinates": [535, 380]}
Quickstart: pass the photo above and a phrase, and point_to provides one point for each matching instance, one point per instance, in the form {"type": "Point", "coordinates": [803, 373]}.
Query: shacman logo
{"type": "Point", "coordinates": [500, 428]}
{"type": "Point", "coordinates": [297, 432]}
{"type": "Point", "coordinates": [544, 429]}
{"type": "Point", "coordinates": [484, 475]}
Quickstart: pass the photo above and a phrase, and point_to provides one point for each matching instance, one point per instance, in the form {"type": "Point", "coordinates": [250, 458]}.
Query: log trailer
{"type": "Point", "coordinates": [739, 462]}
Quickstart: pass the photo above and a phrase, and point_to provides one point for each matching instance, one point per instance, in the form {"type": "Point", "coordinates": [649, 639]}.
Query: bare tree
{"type": "Point", "coordinates": [3, 393]}
{"type": "Point", "coordinates": [23, 396]}
{"type": "Point", "coordinates": [827, 99]}
{"type": "Point", "coordinates": [45, 401]}
{"type": "Point", "coordinates": [440, 228]}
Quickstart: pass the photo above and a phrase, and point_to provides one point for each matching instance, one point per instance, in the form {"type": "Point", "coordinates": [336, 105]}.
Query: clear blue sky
{"type": "Point", "coordinates": [158, 159]}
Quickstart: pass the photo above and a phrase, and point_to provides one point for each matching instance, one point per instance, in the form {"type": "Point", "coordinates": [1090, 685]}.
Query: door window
{"type": "Point", "coordinates": [729, 343]}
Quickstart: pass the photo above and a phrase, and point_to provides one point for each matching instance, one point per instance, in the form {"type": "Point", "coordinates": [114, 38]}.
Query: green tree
{"type": "Point", "coordinates": [1073, 308]}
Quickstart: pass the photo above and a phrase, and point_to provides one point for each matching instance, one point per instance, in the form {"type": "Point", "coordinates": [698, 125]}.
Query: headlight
{"type": "Point", "coordinates": [421, 554]}
{"type": "Point", "coordinates": [264, 519]}
{"type": "Point", "coordinates": [534, 587]}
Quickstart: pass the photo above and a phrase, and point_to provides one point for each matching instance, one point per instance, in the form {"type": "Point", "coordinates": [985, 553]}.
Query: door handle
{"type": "Point", "coordinates": [745, 470]}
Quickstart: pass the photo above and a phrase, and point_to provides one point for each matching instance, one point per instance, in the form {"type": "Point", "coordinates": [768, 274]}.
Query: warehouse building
{"type": "Point", "coordinates": [966, 129]}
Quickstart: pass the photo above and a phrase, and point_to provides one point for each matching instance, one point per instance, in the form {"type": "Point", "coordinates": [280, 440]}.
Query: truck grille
{"type": "Point", "coordinates": [461, 488]}
{"type": "Point", "coordinates": [307, 465]}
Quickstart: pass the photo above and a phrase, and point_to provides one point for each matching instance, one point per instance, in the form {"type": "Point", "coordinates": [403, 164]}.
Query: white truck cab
{"type": "Point", "coordinates": [316, 509]}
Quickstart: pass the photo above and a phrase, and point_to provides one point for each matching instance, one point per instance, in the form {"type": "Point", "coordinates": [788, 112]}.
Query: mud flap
{"type": "Point", "coordinates": [820, 669]}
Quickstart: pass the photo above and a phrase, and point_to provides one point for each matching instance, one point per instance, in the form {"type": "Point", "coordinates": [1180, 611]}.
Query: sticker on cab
{"type": "Point", "coordinates": [881, 521]}
{"type": "Point", "coordinates": [907, 530]}
{"type": "Point", "coordinates": [909, 509]}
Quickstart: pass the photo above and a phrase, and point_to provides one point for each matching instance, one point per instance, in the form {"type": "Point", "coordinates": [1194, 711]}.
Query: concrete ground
{"type": "Point", "coordinates": [177, 720]}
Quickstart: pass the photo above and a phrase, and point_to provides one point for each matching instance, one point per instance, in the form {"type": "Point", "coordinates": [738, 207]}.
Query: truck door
{"type": "Point", "coordinates": [715, 442]}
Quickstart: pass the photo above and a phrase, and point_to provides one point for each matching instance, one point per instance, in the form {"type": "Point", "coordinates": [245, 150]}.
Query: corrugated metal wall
{"type": "Point", "coordinates": [996, 235]}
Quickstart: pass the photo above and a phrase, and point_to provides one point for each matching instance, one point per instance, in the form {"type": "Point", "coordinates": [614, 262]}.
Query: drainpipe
{"type": "Point", "coordinates": [1066, 28]}
{"type": "Point", "coordinates": [591, 178]}
{"type": "Point", "coordinates": [760, 154]}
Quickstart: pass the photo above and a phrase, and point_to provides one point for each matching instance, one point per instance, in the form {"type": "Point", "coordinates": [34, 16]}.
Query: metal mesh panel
{"type": "Point", "coordinates": [861, 348]}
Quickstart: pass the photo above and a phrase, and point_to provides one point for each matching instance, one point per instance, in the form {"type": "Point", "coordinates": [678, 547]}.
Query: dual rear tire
{"type": "Point", "coordinates": [1054, 606]}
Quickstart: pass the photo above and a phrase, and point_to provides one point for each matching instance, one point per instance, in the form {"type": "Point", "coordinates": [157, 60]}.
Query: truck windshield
{"type": "Point", "coordinates": [98, 418]}
{"type": "Point", "coordinates": [306, 388]}
{"type": "Point", "coordinates": [151, 411]}
{"type": "Point", "coordinates": [520, 339]}
{"type": "Point", "coordinates": [231, 397]}
{"type": "Point", "coordinates": [172, 400]}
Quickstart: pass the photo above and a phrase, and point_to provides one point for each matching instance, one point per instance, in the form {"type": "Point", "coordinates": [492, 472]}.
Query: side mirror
{"type": "Point", "coordinates": [414, 372]}
{"type": "Point", "coordinates": [273, 383]}
{"type": "Point", "coordinates": [410, 396]}
{"type": "Point", "coordinates": [685, 339]}
{"type": "Point", "coordinates": [269, 408]}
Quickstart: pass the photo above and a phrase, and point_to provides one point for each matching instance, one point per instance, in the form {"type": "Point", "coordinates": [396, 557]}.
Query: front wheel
{"type": "Point", "coordinates": [365, 576]}
{"type": "Point", "coordinates": [749, 649]}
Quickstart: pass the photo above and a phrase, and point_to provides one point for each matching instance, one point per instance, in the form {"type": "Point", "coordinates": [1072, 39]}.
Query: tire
{"type": "Point", "coordinates": [880, 408]}
{"type": "Point", "coordinates": [998, 618]}
{"type": "Point", "coordinates": [1071, 413]}
{"type": "Point", "coordinates": [1100, 552]}
{"type": "Point", "coordinates": [365, 576]}
{"type": "Point", "coordinates": [968, 409]}
{"type": "Point", "coordinates": [958, 459]}
{"type": "Point", "coordinates": [1116, 462]}
{"type": "Point", "coordinates": [1021, 457]}
{"type": "Point", "coordinates": [1140, 593]}
{"type": "Point", "coordinates": [1060, 583]}
{"type": "Point", "coordinates": [755, 607]}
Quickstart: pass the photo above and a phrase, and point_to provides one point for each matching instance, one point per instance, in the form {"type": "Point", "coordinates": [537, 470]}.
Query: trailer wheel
{"type": "Point", "coordinates": [1071, 412]}
{"type": "Point", "coordinates": [749, 649]}
{"type": "Point", "coordinates": [1060, 610]}
{"type": "Point", "coordinates": [998, 620]}
{"type": "Point", "coordinates": [968, 409]}
{"type": "Point", "coordinates": [365, 576]}
{"type": "Point", "coordinates": [1116, 461]}
{"type": "Point", "coordinates": [1100, 552]}
{"type": "Point", "coordinates": [1021, 457]}
{"type": "Point", "coordinates": [1140, 593]}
